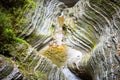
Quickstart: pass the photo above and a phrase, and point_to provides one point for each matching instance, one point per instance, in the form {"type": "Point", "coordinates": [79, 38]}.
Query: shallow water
{"type": "Point", "coordinates": [69, 74]}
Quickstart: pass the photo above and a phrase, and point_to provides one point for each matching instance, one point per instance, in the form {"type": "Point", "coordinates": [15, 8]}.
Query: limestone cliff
{"type": "Point", "coordinates": [90, 26]}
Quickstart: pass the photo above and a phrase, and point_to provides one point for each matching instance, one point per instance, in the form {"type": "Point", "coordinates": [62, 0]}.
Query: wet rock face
{"type": "Point", "coordinates": [99, 23]}
{"type": "Point", "coordinates": [8, 71]}
{"type": "Point", "coordinates": [69, 3]}
{"type": "Point", "coordinates": [78, 67]}
{"type": "Point", "coordinates": [102, 64]}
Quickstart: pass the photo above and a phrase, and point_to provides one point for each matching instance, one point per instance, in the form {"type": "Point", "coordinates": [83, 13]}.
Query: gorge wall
{"type": "Point", "coordinates": [91, 27]}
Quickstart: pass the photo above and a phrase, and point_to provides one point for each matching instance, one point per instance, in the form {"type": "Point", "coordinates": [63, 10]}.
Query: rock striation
{"type": "Point", "coordinates": [90, 26]}
{"type": "Point", "coordinates": [97, 35]}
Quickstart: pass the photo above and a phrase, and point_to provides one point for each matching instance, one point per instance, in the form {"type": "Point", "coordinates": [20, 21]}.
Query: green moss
{"type": "Point", "coordinates": [12, 22]}
{"type": "Point", "coordinates": [15, 3]}
{"type": "Point", "coordinates": [30, 73]}
{"type": "Point", "coordinates": [9, 40]}
{"type": "Point", "coordinates": [19, 40]}
{"type": "Point", "coordinates": [23, 68]}
{"type": "Point", "coordinates": [40, 75]}
{"type": "Point", "coordinates": [12, 19]}
{"type": "Point", "coordinates": [5, 22]}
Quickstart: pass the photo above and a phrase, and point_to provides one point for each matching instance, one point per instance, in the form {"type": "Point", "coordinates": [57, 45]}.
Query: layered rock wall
{"type": "Point", "coordinates": [97, 35]}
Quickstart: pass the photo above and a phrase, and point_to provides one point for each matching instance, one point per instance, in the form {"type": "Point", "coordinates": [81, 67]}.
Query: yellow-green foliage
{"type": "Point", "coordinates": [5, 22]}
{"type": "Point", "coordinates": [30, 73]}
{"type": "Point", "coordinates": [41, 76]}
{"type": "Point", "coordinates": [12, 22]}
{"type": "Point", "coordinates": [57, 54]}
{"type": "Point", "coordinates": [12, 19]}
{"type": "Point", "coordinates": [13, 13]}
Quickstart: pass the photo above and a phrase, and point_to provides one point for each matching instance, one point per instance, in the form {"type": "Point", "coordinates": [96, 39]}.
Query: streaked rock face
{"type": "Point", "coordinates": [92, 27]}
{"type": "Point", "coordinates": [32, 64]}
{"type": "Point", "coordinates": [97, 34]}
{"type": "Point", "coordinates": [9, 71]}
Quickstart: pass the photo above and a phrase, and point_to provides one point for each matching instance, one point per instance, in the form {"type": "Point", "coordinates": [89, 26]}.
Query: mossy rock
{"type": "Point", "coordinates": [57, 54]}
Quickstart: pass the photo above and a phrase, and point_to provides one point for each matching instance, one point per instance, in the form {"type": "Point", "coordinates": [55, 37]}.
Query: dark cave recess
{"type": "Point", "coordinates": [69, 3]}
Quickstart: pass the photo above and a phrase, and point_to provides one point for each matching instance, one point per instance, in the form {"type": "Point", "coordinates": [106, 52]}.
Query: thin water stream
{"type": "Point", "coordinates": [59, 39]}
{"type": "Point", "coordinates": [72, 54]}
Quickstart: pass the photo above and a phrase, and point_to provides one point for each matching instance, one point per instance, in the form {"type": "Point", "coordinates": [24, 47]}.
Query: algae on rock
{"type": "Point", "coordinates": [57, 54]}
